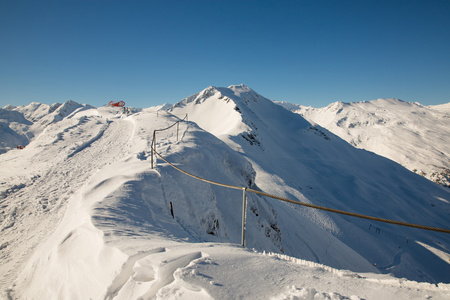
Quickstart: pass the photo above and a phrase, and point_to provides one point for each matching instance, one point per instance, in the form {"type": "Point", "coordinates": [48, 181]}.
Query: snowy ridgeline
{"type": "Point", "coordinates": [411, 134]}
{"type": "Point", "coordinates": [83, 215]}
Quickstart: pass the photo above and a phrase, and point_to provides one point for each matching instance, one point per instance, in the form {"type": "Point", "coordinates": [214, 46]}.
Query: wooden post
{"type": "Point", "coordinates": [171, 209]}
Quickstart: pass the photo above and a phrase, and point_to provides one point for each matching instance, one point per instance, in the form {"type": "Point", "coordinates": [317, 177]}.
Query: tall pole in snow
{"type": "Point", "coordinates": [244, 214]}
{"type": "Point", "coordinates": [153, 145]}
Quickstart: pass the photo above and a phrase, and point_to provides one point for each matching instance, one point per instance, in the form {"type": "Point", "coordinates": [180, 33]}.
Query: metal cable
{"type": "Point", "coordinates": [307, 204]}
{"type": "Point", "coordinates": [172, 124]}
{"type": "Point", "coordinates": [197, 177]}
{"type": "Point", "coordinates": [342, 212]}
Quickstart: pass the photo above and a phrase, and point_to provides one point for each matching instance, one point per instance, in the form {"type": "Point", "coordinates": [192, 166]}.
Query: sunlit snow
{"type": "Point", "coordinates": [84, 216]}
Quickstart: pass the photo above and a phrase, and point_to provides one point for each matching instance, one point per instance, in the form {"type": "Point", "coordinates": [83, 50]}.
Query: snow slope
{"type": "Point", "coordinates": [83, 215]}
{"type": "Point", "coordinates": [297, 160]}
{"type": "Point", "coordinates": [18, 125]}
{"type": "Point", "coordinates": [411, 134]}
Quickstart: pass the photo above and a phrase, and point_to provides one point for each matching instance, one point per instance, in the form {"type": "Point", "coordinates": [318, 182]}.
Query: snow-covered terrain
{"type": "Point", "coordinates": [84, 216]}
{"type": "Point", "coordinates": [18, 125]}
{"type": "Point", "coordinates": [411, 134]}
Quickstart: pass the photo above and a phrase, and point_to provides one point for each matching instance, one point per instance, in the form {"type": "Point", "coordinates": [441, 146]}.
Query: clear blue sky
{"type": "Point", "coordinates": [153, 52]}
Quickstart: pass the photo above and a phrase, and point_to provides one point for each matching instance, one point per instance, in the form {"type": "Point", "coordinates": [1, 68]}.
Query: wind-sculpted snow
{"type": "Point", "coordinates": [302, 161]}
{"type": "Point", "coordinates": [84, 216]}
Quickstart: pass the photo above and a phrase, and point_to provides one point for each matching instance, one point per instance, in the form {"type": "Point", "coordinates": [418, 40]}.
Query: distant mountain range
{"type": "Point", "coordinates": [411, 134]}
{"type": "Point", "coordinates": [82, 198]}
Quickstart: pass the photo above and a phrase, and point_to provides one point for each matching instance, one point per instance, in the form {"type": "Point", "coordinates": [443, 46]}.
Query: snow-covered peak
{"type": "Point", "coordinates": [314, 165]}
{"type": "Point", "coordinates": [241, 86]}
{"type": "Point", "coordinates": [246, 94]}
{"type": "Point", "coordinates": [81, 207]}
{"type": "Point", "coordinates": [236, 93]}
{"type": "Point", "coordinates": [10, 116]}
{"type": "Point", "coordinates": [22, 123]}
{"type": "Point", "coordinates": [391, 103]}
{"type": "Point", "coordinates": [9, 107]}
{"type": "Point", "coordinates": [33, 111]}
{"type": "Point", "coordinates": [212, 110]}
{"type": "Point", "coordinates": [237, 111]}
{"type": "Point", "coordinates": [242, 90]}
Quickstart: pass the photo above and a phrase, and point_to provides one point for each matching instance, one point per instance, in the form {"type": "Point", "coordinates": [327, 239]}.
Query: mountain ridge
{"type": "Point", "coordinates": [318, 157]}
{"type": "Point", "coordinates": [84, 197]}
{"type": "Point", "coordinates": [408, 133]}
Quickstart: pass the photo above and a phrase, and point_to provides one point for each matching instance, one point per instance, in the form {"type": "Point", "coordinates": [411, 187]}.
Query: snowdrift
{"type": "Point", "coordinates": [85, 216]}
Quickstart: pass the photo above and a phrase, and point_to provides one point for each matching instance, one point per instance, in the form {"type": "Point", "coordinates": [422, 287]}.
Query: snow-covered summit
{"type": "Point", "coordinates": [237, 111]}
{"type": "Point", "coordinates": [85, 216]}
{"type": "Point", "coordinates": [314, 165]}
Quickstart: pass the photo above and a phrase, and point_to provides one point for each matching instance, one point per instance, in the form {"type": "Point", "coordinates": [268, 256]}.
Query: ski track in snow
{"type": "Point", "coordinates": [395, 260]}
{"type": "Point", "coordinates": [40, 195]}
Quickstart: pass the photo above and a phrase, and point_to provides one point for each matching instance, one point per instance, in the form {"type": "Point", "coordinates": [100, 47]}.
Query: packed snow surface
{"type": "Point", "coordinates": [84, 216]}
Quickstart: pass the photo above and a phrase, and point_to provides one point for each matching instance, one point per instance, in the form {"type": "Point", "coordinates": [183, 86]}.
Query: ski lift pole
{"type": "Point", "coordinates": [244, 214]}
{"type": "Point", "coordinates": [178, 127]}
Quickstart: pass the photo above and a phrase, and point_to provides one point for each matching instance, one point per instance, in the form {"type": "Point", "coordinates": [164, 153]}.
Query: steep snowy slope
{"type": "Point", "coordinates": [83, 215]}
{"type": "Point", "coordinates": [300, 161]}
{"type": "Point", "coordinates": [89, 208]}
{"type": "Point", "coordinates": [411, 134]}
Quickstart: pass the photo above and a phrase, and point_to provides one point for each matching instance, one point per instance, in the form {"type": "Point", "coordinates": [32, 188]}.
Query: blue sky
{"type": "Point", "coordinates": [153, 52]}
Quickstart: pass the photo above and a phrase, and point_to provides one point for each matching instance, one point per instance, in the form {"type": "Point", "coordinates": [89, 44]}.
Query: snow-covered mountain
{"type": "Point", "coordinates": [18, 125]}
{"type": "Point", "coordinates": [83, 214]}
{"type": "Point", "coordinates": [411, 134]}
{"type": "Point", "coordinates": [297, 160]}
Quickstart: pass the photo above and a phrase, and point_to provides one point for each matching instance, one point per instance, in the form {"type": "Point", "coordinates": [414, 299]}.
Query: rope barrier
{"type": "Point", "coordinates": [342, 212]}
{"type": "Point", "coordinates": [307, 204]}
{"type": "Point", "coordinates": [197, 177]}
{"type": "Point", "coordinates": [153, 144]}
{"type": "Point", "coordinates": [172, 124]}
